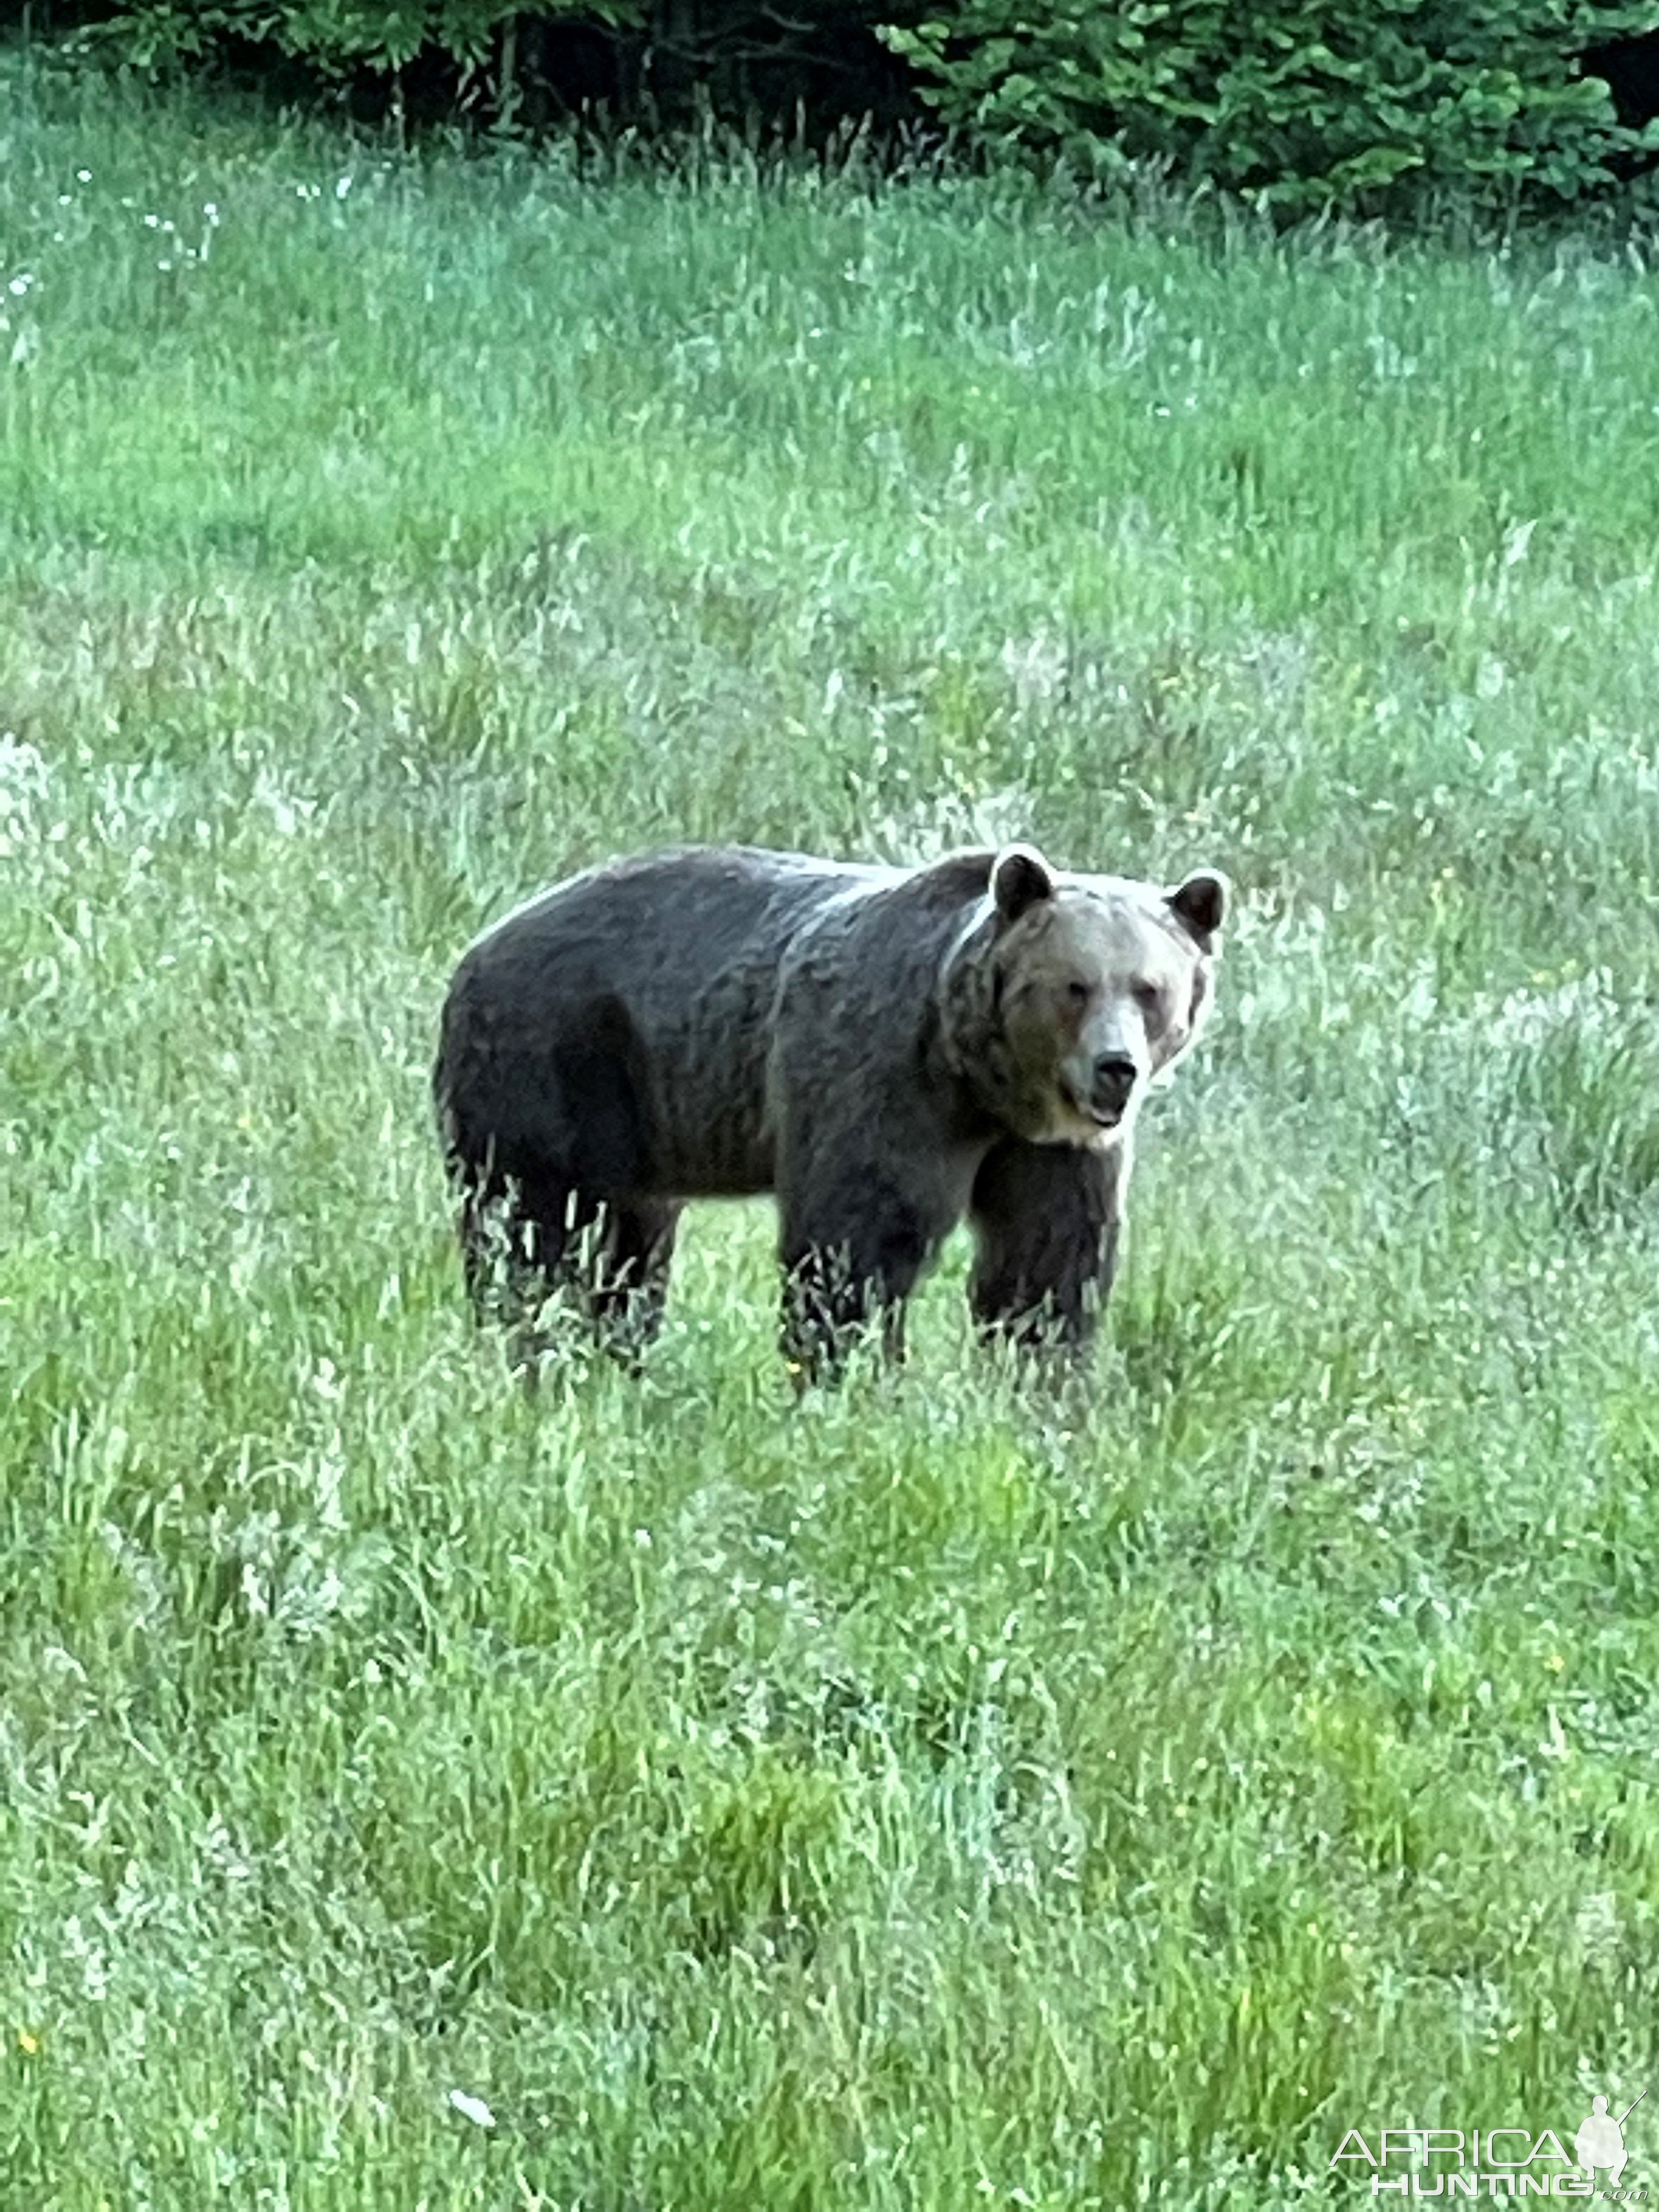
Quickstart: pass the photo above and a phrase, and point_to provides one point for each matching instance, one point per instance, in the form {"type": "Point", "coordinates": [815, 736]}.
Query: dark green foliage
{"type": "Point", "coordinates": [659, 62]}
{"type": "Point", "coordinates": [1306, 103]}
{"type": "Point", "coordinates": [1362, 105]}
{"type": "Point", "coordinates": [335, 36]}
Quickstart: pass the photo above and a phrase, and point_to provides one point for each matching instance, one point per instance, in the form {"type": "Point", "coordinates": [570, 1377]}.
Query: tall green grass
{"type": "Point", "coordinates": [938, 1795]}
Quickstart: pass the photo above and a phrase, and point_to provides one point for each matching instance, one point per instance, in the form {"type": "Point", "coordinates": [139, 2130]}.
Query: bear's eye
{"type": "Point", "coordinates": [1079, 992]}
{"type": "Point", "coordinates": [1147, 996]}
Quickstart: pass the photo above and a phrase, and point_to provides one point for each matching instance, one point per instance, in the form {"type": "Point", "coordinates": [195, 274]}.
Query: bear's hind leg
{"type": "Point", "coordinates": [626, 1279]}
{"type": "Point", "coordinates": [523, 1241]}
{"type": "Point", "coordinates": [1047, 1220]}
{"type": "Point", "coordinates": [501, 1251]}
{"type": "Point", "coordinates": [605, 1262]}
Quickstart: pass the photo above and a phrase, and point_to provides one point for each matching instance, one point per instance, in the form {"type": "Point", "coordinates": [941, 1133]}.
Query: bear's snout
{"type": "Point", "coordinates": [1112, 1080]}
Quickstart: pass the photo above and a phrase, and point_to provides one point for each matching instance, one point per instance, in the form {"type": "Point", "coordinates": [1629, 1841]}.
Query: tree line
{"type": "Point", "coordinates": [1351, 106]}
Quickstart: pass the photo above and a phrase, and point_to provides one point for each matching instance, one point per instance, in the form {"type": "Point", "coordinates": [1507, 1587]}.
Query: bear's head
{"type": "Point", "coordinates": [1072, 992]}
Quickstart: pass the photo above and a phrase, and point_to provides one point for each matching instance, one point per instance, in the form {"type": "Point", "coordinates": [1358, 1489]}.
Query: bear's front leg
{"type": "Point", "coordinates": [1046, 1220]}
{"type": "Point", "coordinates": [854, 1238]}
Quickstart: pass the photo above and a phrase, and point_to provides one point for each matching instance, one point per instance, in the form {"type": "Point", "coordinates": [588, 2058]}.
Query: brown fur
{"type": "Point", "coordinates": [885, 1049]}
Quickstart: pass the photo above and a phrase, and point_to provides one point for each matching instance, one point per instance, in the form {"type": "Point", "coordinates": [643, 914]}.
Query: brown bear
{"type": "Point", "coordinates": [885, 1049]}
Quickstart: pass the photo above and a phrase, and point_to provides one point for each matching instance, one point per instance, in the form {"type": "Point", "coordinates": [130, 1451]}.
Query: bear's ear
{"type": "Point", "coordinates": [1200, 905]}
{"type": "Point", "coordinates": [1020, 880]}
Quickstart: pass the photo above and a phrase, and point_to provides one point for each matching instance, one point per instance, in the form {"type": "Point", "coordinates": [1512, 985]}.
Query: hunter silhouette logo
{"type": "Point", "coordinates": [1601, 2142]}
{"type": "Point", "coordinates": [1495, 2161]}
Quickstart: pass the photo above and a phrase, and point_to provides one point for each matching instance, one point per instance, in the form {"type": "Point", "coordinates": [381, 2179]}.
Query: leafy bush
{"type": "Point", "coordinates": [1306, 103]}
{"type": "Point", "coordinates": [335, 36]}
{"type": "Point", "coordinates": [657, 60]}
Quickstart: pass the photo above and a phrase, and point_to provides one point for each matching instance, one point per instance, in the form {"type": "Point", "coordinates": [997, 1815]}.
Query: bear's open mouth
{"type": "Point", "coordinates": [1101, 1115]}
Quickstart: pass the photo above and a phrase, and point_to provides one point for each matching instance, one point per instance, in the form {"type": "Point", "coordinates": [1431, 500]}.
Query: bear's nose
{"type": "Point", "coordinates": [1114, 1078]}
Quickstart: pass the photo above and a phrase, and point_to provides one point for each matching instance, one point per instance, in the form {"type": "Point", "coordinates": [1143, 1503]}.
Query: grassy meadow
{"type": "Point", "coordinates": [939, 1794]}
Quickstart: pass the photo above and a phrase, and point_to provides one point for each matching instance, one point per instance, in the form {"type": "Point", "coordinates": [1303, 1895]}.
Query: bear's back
{"type": "Point", "coordinates": [669, 965]}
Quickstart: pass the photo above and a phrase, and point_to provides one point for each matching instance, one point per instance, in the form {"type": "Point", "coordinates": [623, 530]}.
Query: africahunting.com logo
{"type": "Point", "coordinates": [1495, 2161]}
